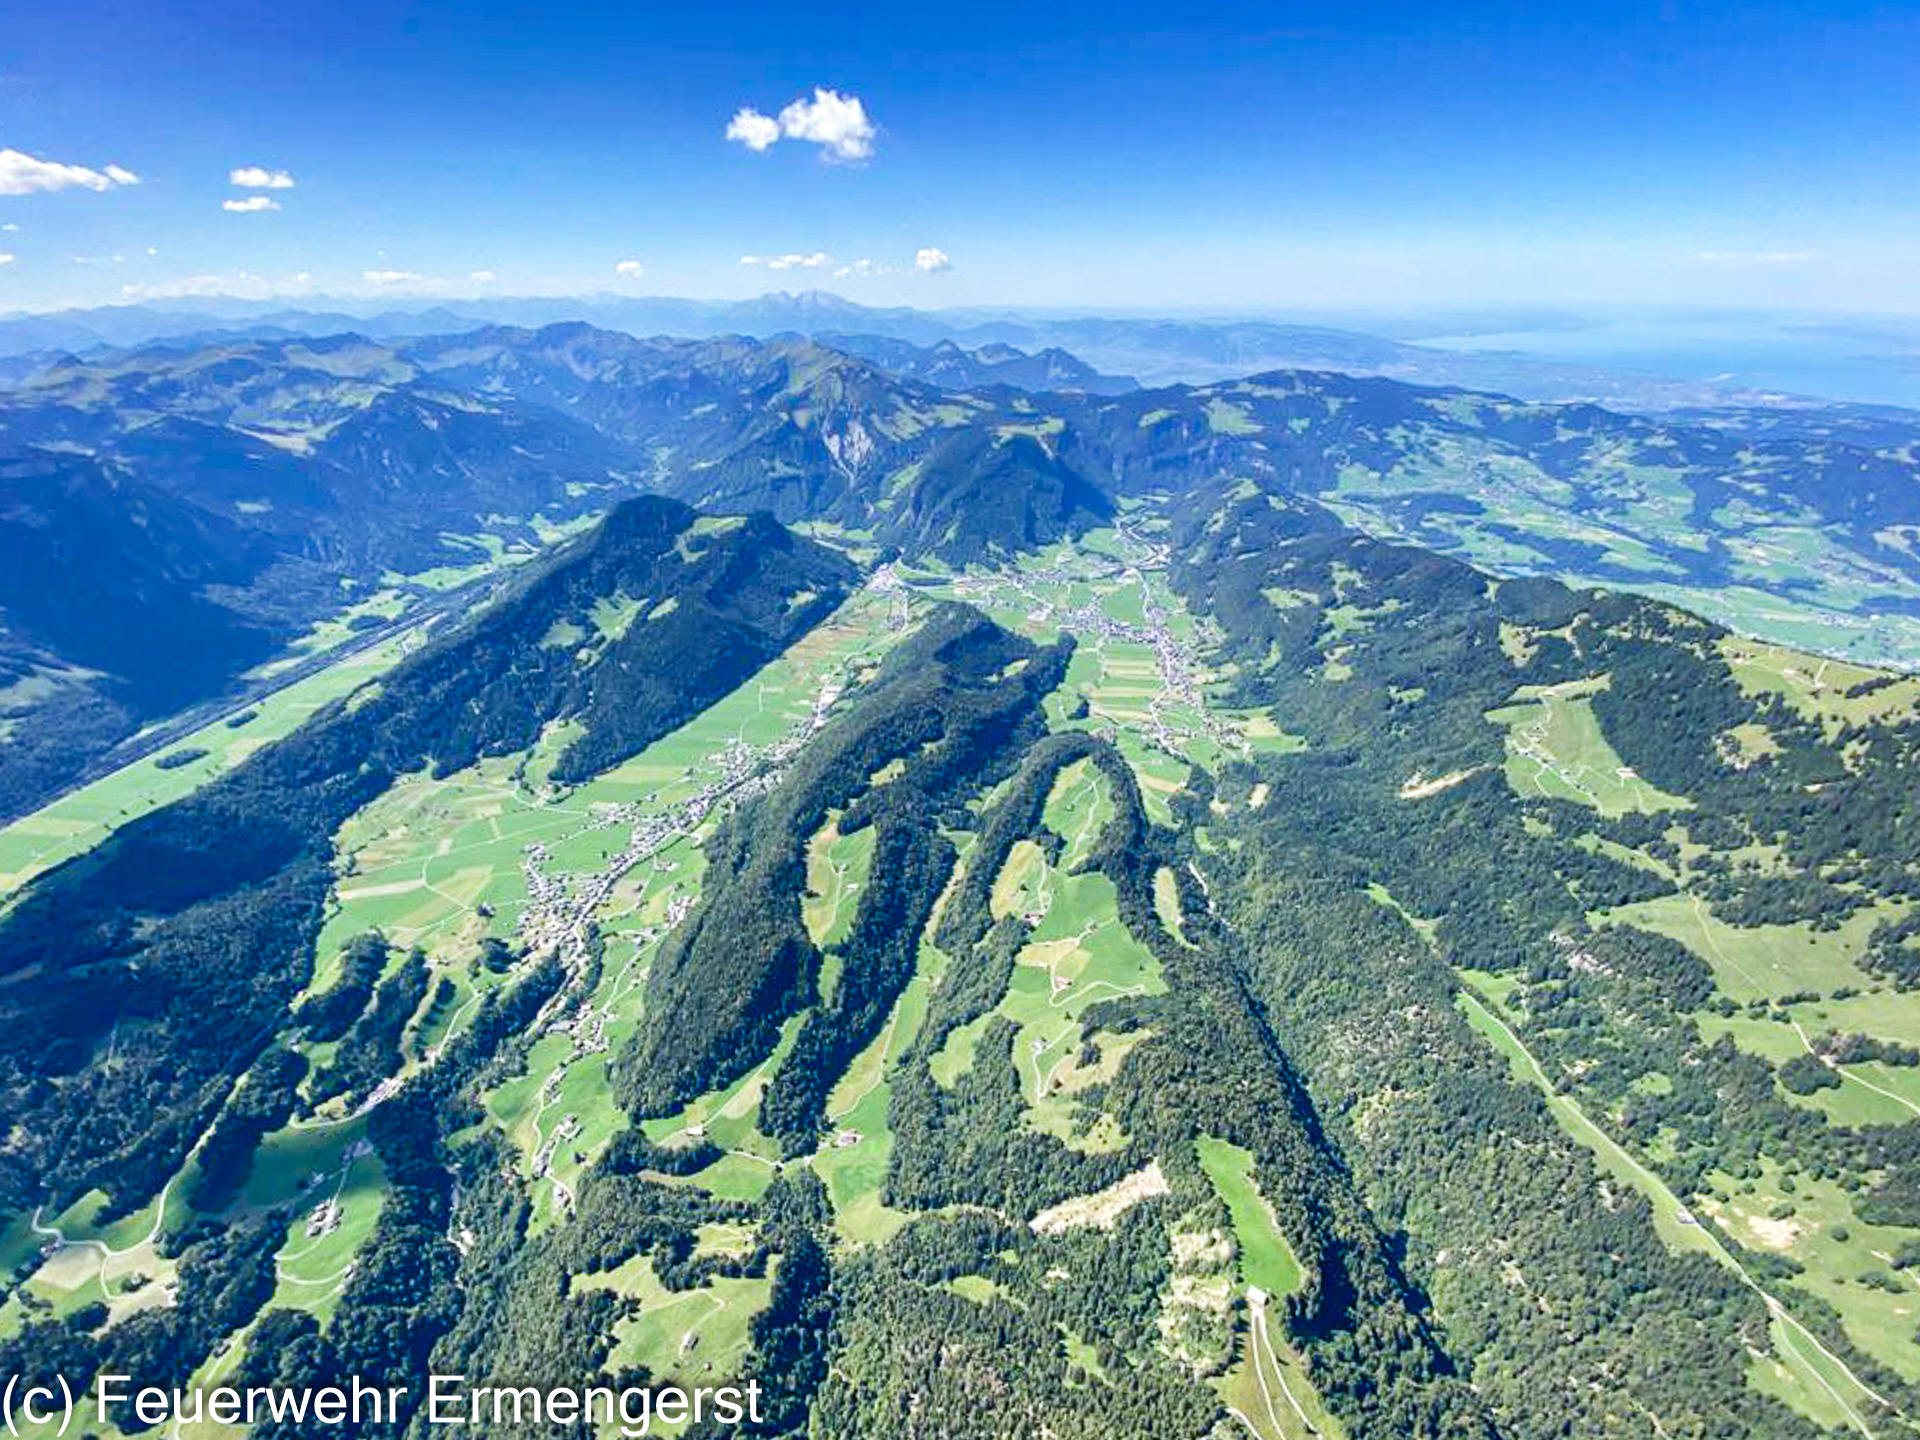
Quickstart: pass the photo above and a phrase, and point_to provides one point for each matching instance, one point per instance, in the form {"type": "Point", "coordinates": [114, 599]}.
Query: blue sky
{"type": "Point", "coordinates": [1116, 154]}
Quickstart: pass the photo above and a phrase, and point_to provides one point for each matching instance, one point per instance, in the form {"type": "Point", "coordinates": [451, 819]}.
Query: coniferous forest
{"type": "Point", "coordinates": [979, 911]}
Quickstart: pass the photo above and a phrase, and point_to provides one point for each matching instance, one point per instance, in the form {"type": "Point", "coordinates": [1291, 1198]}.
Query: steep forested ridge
{"type": "Point", "coordinates": [194, 926]}
{"type": "Point", "coordinates": [1510, 889]}
{"type": "Point", "coordinates": [350, 472]}
{"type": "Point", "coordinates": [1089, 945]}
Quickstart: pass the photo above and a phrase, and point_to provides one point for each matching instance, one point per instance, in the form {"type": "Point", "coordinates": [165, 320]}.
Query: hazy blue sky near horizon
{"type": "Point", "coordinates": [1114, 154]}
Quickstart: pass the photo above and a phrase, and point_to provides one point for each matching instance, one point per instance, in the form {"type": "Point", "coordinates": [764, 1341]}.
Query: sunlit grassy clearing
{"type": "Point", "coordinates": [1266, 1259]}
{"type": "Point", "coordinates": [1765, 961]}
{"type": "Point", "coordinates": [686, 1337]}
{"type": "Point", "coordinates": [1814, 1223]}
{"type": "Point", "coordinates": [1817, 686]}
{"type": "Point", "coordinates": [837, 868]}
{"type": "Point", "coordinates": [1555, 750]}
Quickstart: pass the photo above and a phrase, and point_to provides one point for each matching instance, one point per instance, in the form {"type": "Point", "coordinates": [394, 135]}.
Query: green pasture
{"type": "Point", "coordinates": [77, 822]}
{"type": "Point", "coordinates": [1555, 751]}
{"type": "Point", "coordinates": [1267, 1261]}
{"type": "Point", "coordinates": [1765, 961]}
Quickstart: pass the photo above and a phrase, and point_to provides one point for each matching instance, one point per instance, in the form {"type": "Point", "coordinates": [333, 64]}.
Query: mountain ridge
{"type": "Point", "coordinates": [1164, 874]}
{"type": "Point", "coordinates": [1197, 349]}
{"type": "Point", "coordinates": [359, 462]}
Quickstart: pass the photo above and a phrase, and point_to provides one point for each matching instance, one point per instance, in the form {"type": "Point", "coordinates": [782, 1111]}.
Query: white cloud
{"type": "Point", "coordinates": [630, 269]}
{"type": "Point", "coordinates": [10, 228]}
{"type": "Point", "coordinates": [837, 123]}
{"type": "Point", "coordinates": [483, 277]}
{"type": "Point", "coordinates": [152, 251]}
{"type": "Point", "coordinates": [752, 129]}
{"type": "Point", "coordinates": [24, 174]}
{"type": "Point", "coordinates": [789, 262]}
{"type": "Point", "coordinates": [5, 259]}
{"type": "Point", "coordinates": [862, 268]}
{"type": "Point", "coordinates": [388, 283]}
{"type": "Point", "coordinates": [1755, 257]}
{"type": "Point", "coordinates": [258, 177]}
{"type": "Point", "coordinates": [98, 259]}
{"type": "Point", "coordinates": [252, 205]}
{"type": "Point", "coordinates": [930, 259]}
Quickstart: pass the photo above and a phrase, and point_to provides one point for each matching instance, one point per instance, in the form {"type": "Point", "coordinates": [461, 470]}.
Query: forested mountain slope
{"type": "Point", "coordinates": [193, 927]}
{"type": "Point", "coordinates": [1172, 966]}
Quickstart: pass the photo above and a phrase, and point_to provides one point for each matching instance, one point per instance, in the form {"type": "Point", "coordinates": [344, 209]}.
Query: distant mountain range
{"type": "Point", "coordinates": [234, 493]}
{"type": "Point", "coordinates": [1191, 350]}
{"type": "Point", "coordinates": [954, 368]}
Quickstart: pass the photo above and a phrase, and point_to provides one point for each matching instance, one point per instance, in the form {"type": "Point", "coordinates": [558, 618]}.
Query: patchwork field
{"type": "Point", "coordinates": [1138, 673]}
{"type": "Point", "coordinates": [1077, 952]}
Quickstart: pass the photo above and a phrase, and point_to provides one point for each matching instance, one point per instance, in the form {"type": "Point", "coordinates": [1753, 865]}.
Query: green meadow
{"type": "Point", "coordinates": [1555, 751]}
{"type": "Point", "coordinates": [1266, 1259]}
{"type": "Point", "coordinates": [77, 822]}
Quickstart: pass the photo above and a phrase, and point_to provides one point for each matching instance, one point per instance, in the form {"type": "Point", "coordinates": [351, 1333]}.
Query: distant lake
{"type": "Point", "coordinates": [1859, 361]}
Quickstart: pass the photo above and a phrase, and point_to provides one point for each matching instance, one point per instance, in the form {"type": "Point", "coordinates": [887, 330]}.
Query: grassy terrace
{"type": "Point", "coordinates": [1764, 961]}
{"type": "Point", "coordinates": [837, 868]}
{"type": "Point", "coordinates": [854, 1166]}
{"type": "Point", "coordinates": [686, 1337]}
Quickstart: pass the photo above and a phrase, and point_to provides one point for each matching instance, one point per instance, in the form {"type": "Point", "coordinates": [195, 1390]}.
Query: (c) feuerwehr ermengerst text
{"type": "Point", "coordinates": [448, 1401]}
